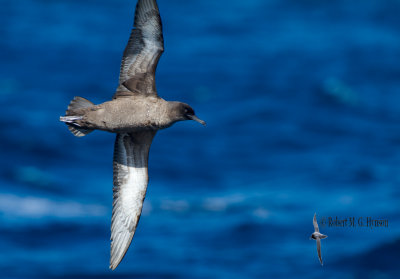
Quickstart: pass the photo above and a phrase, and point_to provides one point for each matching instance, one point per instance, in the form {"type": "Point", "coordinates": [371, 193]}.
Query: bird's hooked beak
{"type": "Point", "coordinates": [195, 118]}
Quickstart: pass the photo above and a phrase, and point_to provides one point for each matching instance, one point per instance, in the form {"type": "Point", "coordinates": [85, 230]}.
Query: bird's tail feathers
{"type": "Point", "coordinates": [72, 116]}
{"type": "Point", "coordinates": [78, 103]}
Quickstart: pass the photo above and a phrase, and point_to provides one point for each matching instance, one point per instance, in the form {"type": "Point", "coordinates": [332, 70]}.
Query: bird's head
{"type": "Point", "coordinates": [182, 112]}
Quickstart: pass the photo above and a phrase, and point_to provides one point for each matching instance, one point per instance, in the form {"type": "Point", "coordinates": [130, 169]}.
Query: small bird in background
{"type": "Point", "coordinates": [135, 114]}
{"type": "Point", "coordinates": [318, 236]}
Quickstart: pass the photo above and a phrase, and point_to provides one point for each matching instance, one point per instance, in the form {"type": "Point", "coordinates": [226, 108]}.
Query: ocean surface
{"type": "Point", "coordinates": [302, 101]}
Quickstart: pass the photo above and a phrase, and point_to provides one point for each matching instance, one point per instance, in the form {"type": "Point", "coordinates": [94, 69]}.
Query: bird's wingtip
{"type": "Point", "coordinates": [114, 264]}
{"type": "Point", "coordinates": [115, 261]}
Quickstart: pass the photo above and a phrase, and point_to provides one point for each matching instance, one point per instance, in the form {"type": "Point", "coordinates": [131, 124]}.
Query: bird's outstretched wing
{"type": "Point", "coordinates": [130, 184]}
{"type": "Point", "coordinates": [319, 251]}
{"type": "Point", "coordinates": [315, 223]}
{"type": "Point", "coordinates": [144, 49]}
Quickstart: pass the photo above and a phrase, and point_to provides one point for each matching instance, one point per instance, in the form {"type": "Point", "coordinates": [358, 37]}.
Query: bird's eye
{"type": "Point", "coordinates": [189, 111]}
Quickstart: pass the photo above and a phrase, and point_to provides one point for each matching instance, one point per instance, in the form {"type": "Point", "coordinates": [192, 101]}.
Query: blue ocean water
{"type": "Point", "coordinates": [302, 103]}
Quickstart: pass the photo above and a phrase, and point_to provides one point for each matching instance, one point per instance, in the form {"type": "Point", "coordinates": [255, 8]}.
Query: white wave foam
{"type": "Point", "coordinates": [222, 203]}
{"type": "Point", "coordinates": [39, 207]}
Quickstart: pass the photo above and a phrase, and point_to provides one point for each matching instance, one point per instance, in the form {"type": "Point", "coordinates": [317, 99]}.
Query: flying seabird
{"type": "Point", "coordinates": [317, 236]}
{"type": "Point", "coordinates": [135, 114]}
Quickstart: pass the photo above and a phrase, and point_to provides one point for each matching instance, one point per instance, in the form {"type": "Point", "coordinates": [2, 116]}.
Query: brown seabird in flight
{"type": "Point", "coordinates": [135, 114]}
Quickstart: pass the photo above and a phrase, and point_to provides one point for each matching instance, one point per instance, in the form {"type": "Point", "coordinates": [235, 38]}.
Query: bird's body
{"type": "Point", "coordinates": [317, 236]}
{"type": "Point", "coordinates": [129, 114]}
{"type": "Point", "coordinates": [135, 114]}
